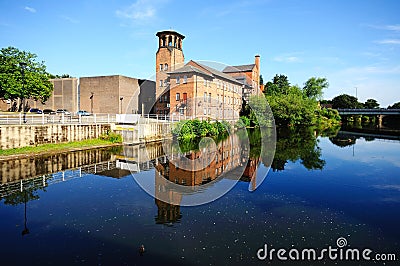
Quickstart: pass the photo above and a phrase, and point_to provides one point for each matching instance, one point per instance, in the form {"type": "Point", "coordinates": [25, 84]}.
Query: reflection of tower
{"type": "Point", "coordinates": [169, 54]}
{"type": "Point", "coordinates": [167, 212]}
{"type": "Point", "coordinates": [250, 172]}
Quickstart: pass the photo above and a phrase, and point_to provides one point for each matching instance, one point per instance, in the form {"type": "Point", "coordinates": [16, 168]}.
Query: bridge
{"type": "Point", "coordinates": [380, 111]}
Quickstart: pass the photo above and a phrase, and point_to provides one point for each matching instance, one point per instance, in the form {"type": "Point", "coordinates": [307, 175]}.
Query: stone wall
{"type": "Point", "coordinates": [17, 136]}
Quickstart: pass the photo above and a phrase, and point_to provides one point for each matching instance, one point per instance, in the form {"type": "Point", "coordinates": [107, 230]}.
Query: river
{"type": "Point", "coordinates": [87, 208]}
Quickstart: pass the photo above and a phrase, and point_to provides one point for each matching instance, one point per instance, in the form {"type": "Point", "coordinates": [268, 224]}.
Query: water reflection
{"type": "Point", "coordinates": [97, 214]}
{"type": "Point", "coordinates": [298, 144]}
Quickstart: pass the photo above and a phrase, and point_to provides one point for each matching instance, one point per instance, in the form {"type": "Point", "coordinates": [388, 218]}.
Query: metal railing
{"type": "Point", "coordinates": [42, 119]}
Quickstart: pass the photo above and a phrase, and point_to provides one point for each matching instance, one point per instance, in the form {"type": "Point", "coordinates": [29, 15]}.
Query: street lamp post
{"type": "Point", "coordinates": [23, 67]}
{"type": "Point", "coordinates": [91, 102]}
{"type": "Point", "coordinates": [121, 98]}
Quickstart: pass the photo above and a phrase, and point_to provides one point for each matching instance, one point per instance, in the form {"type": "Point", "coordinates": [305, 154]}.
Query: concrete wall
{"type": "Point", "coordinates": [64, 96]}
{"type": "Point", "coordinates": [16, 136]}
{"type": "Point", "coordinates": [107, 93]}
{"type": "Point", "coordinates": [142, 133]}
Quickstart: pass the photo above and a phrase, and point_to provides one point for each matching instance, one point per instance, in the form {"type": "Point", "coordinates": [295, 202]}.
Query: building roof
{"type": "Point", "coordinates": [240, 68]}
{"type": "Point", "coordinates": [215, 72]}
{"type": "Point", "coordinates": [188, 69]}
{"type": "Point", "coordinates": [172, 32]}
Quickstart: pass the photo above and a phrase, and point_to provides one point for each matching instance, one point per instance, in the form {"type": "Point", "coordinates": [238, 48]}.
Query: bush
{"type": "Point", "coordinates": [190, 129]}
{"type": "Point", "coordinates": [111, 137]}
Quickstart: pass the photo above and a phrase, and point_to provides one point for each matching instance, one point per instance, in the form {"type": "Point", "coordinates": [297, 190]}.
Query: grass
{"type": "Point", "coordinates": [54, 147]}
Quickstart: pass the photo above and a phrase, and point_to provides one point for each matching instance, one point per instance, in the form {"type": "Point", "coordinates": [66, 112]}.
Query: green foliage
{"type": "Point", "coordinates": [345, 101]}
{"type": "Point", "coordinates": [371, 104]}
{"type": "Point", "coordinates": [394, 106]}
{"type": "Point", "coordinates": [292, 109]}
{"type": "Point", "coordinates": [327, 118]}
{"type": "Point", "coordinates": [279, 85]}
{"type": "Point", "coordinates": [313, 88]}
{"type": "Point", "coordinates": [31, 83]}
{"type": "Point", "coordinates": [111, 137]}
{"type": "Point", "coordinates": [295, 144]}
{"type": "Point", "coordinates": [243, 122]}
{"type": "Point", "coordinates": [190, 129]}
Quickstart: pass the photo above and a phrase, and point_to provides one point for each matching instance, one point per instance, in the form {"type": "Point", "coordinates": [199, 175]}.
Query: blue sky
{"type": "Point", "coordinates": [351, 43]}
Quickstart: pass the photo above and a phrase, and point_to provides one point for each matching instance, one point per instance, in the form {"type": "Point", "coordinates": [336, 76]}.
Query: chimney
{"type": "Point", "coordinates": [257, 62]}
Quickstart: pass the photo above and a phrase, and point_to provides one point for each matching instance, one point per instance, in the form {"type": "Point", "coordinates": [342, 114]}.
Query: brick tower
{"type": "Point", "coordinates": [169, 57]}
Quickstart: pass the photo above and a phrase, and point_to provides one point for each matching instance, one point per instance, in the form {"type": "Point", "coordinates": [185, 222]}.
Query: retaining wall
{"type": "Point", "coordinates": [17, 136]}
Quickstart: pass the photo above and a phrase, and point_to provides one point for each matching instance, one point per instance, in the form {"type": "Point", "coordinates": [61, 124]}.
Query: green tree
{"type": "Point", "coordinates": [345, 101]}
{"type": "Point", "coordinates": [292, 108]}
{"type": "Point", "coordinates": [313, 88]}
{"type": "Point", "coordinates": [279, 85]}
{"type": "Point", "coordinates": [261, 80]}
{"type": "Point", "coordinates": [371, 104]}
{"type": "Point", "coordinates": [18, 82]}
{"type": "Point", "coordinates": [394, 106]}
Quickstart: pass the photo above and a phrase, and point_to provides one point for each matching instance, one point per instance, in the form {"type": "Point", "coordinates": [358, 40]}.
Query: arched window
{"type": "Point", "coordinates": [166, 67]}
{"type": "Point", "coordinates": [185, 79]}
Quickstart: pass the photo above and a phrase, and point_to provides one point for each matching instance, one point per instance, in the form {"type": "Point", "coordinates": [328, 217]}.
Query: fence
{"type": "Point", "coordinates": [42, 119]}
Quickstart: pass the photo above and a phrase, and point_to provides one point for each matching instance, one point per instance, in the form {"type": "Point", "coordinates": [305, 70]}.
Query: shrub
{"type": "Point", "coordinates": [111, 137]}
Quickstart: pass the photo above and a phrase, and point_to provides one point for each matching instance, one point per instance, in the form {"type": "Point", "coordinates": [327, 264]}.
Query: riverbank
{"type": "Point", "coordinates": [55, 148]}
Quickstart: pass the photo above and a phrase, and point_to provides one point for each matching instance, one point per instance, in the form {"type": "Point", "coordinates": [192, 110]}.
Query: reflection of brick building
{"type": "Point", "coordinates": [195, 89]}
{"type": "Point", "coordinates": [183, 171]}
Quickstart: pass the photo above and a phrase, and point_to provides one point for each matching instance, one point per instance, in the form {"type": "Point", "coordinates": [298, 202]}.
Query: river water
{"type": "Point", "coordinates": [87, 208]}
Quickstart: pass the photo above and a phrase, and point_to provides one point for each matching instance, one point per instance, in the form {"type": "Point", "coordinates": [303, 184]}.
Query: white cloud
{"type": "Point", "coordinates": [287, 59]}
{"type": "Point", "coordinates": [69, 19]}
{"type": "Point", "coordinates": [30, 9]}
{"type": "Point", "coordinates": [140, 11]}
{"type": "Point", "coordinates": [395, 27]}
{"type": "Point", "coordinates": [389, 41]}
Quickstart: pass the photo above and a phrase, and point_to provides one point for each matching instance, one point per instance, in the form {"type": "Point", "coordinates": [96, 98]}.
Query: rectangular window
{"type": "Point", "coordinates": [205, 111]}
{"type": "Point", "coordinates": [165, 67]}
{"type": "Point", "coordinates": [161, 67]}
{"type": "Point", "coordinates": [178, 80]}
{"type": "Point", "coordinates": [166, 98]}
{"type": "Point", "coordinates": [160, 99]}
{"type": "Point", "coordinates": [178, 96]}
{"type": "Point", "coordinates": [205, 97]}
{"type": "Point", "coordinates": [209, 97]}
{"type": "Point", "coordinates": [161, 82]}
{"type": "Point", "coordinates": [166, 83]}
{"type": "Point", "coordinates": [185, 79]}
{"type": "Point", "coordinates": [205, 82]}
{"type": "Point", "coordinates": [209, 111]}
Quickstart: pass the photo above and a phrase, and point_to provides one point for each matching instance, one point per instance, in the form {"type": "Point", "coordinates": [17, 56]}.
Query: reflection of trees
{"type": "Point", "coordinates": [28, 193]}
{"type": "Point", "coordinates": [295, 144]}
{"type": "Point", "coordinates": [343, 140]}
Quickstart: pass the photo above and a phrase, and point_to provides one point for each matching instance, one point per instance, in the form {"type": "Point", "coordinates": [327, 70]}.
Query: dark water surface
{"type": "Point", "coordinates": [86, 208]}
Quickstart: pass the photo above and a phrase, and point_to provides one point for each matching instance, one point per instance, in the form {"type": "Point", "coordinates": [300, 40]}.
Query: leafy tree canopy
{"type": "Point", "coordinates": [279, 85]}
{"type": "Point", "coordinates": [345, 101]}
{"type": "Point", "coordinates": [313, 88]}
{"type": "Point", "coordinates": [371, 104]}
{"type": "Point", "coordinates": [35, 84]}
{"type": "Point", "coordinates": [394, 106]}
